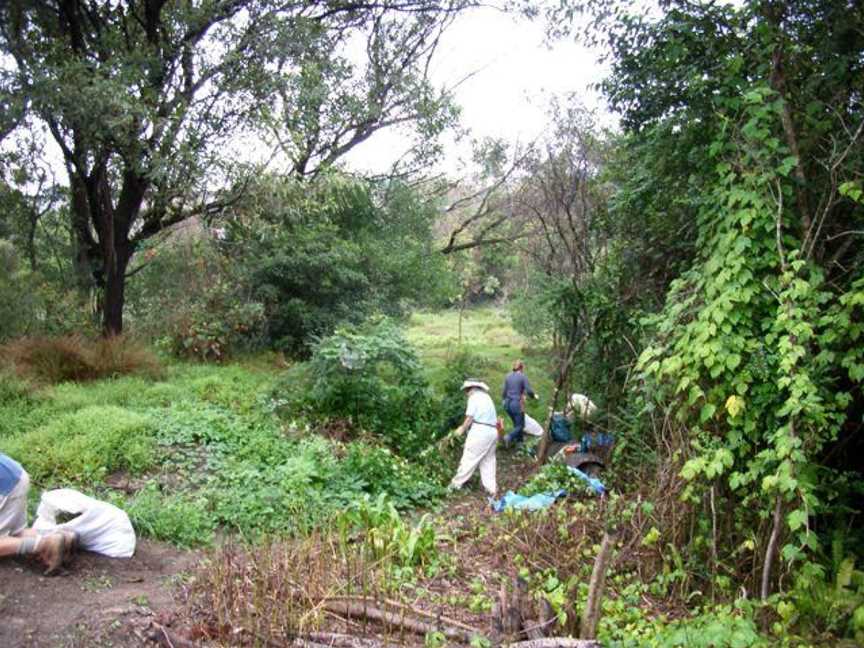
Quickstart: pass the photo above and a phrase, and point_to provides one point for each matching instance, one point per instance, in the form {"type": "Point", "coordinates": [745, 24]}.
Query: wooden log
{"type": "Point", "coordinates": [555, 642]}
{"type": "Point", "coordinates": [438, 618]}
{"type": "Point", "coordinates": [340, 640]}
{"type": "Point", "coordinates": [359, 610]}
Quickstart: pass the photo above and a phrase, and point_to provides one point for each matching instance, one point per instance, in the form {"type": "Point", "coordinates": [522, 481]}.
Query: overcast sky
{"type": "Point", "coordinates": [514, 75]}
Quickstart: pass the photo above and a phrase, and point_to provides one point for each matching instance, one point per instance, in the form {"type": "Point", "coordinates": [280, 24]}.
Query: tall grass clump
{"type": "Point", "coordinates": [76, 358]}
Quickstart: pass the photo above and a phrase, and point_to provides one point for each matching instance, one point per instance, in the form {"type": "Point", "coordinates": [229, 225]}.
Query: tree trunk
{"type": "Point", "coordinates": [563, 374]}
{"type": "Point", "coordinates": [83, 245]}
{"type": "Point", "coordinates": [591, 613]}
{"type": "Point", "coordinates": [115, 291]}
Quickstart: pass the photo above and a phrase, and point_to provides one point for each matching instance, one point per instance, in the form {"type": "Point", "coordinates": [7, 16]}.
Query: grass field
{"type": "Point", "coordinates": [487, 335]}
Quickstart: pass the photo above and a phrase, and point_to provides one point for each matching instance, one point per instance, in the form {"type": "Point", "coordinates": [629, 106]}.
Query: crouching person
{"type": "Point", "coordinates": [481, 425]}
{"type": "Point", "coordinates": [15, 538]}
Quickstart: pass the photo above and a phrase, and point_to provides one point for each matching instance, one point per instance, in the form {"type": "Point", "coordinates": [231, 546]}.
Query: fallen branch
{"type": "Point", "coordinates": [402, 606]}
{"type": "Point", "coordinates": [164, 637]}
{"type": "Point", "coordinates": [365, 611]}
{"type": "Point", "coordinates": [555, 642]}
{"type": "Point", "coordinates": [337, 640]}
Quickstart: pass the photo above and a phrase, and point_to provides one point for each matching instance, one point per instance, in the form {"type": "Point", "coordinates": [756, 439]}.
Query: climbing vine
{"type": "Point", "coordinates": [746, 351]}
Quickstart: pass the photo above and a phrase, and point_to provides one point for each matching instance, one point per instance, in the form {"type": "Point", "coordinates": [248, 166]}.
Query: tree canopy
{"type": "Point", "coordinates": [143, 100]}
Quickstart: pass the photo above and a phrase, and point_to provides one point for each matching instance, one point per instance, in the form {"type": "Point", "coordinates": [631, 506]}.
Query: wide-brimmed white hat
{"type": "Point", "coordinates": [468, 384]}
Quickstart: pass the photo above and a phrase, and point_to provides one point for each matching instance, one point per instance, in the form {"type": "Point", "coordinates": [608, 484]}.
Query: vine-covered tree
{"type": "Point", "coordinates": [745, 161]}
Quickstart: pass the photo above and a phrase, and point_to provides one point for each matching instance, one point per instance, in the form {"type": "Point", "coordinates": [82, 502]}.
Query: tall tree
{"type": "Point", "coordinates": [143, 98]}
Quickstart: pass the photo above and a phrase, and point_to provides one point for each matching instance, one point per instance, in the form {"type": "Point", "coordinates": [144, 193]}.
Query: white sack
{"type": "Point", "coordinates": [532, 427]}
{"type": "Point", "coordinates": [582, 406]}
{"type": "Point", "coordinates": [102, 527]}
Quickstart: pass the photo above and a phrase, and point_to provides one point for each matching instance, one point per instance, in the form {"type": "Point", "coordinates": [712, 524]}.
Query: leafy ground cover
{"type": "Point", "coordinates": [196, 451]}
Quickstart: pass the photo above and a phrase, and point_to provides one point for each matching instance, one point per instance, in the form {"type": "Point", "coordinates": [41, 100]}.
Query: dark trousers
{"type": "Point", "coordinates": [514, 410]}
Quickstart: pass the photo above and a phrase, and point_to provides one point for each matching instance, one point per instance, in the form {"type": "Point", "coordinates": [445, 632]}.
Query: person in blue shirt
{"type": "Point", "coordinates": [516, 388]}
{"type": "Point", "coordinates": [15, 538]}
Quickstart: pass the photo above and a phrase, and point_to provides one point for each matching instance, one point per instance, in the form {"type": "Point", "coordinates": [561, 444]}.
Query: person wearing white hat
{"type": "Point", "coordinates": [481, 424]}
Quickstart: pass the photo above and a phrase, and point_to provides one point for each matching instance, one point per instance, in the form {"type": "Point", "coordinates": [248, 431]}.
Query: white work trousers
{"type": "Point", "coordinates": [479, 452]}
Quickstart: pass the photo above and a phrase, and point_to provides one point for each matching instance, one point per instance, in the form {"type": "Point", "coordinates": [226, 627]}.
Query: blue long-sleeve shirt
{"type": "Point", "coordinates": [10, 473]}
{"type": "Point", "coordinates": [516, 384]}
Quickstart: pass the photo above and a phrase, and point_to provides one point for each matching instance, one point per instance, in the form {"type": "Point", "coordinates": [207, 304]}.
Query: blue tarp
{"type": "Point", "coordinates": [539, 501]}
{"type": "Point", "coordinates": [536, 502]}
{"type": "Point", "coordinates": [595, 484]}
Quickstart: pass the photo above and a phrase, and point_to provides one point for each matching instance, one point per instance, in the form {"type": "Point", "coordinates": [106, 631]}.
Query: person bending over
{"type": "Point", "coordinates": [15, 538]}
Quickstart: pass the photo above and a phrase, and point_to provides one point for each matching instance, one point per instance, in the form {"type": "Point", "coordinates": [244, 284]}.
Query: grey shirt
{"type": "Point", "coordinates": [516, 384]}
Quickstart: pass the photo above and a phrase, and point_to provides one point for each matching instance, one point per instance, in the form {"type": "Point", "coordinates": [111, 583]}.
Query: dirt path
{"type": "Point", "coordinates": [98, 601]}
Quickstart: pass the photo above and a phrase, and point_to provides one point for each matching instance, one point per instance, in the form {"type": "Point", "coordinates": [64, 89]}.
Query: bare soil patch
{"type": "Point", "coordinates": [97, 601]}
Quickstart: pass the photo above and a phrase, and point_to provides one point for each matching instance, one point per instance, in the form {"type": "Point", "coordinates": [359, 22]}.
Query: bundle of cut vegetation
{"type": "Point", "coordinates": [76, 358]}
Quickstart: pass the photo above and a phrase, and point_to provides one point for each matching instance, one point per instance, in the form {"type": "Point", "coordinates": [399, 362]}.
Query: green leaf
{"type": "Point", "coordinates": [791, 553]}
{"type": "Point", "coordinates": [796, 519]}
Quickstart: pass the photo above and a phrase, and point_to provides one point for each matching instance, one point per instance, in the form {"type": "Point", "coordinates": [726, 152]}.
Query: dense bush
{"type": "Point", "coordinates": [330, 252]}
{"type": "Point", "coordinates": [374, 470]}
{"type": "Point", "coordinates": [31, 304]}
{"type": "Point", "coordinates": [192, 299]}
{"type": "Point", "coordinates": [459, 366]}
{"type": "Point", "coordinates": [370, 375]}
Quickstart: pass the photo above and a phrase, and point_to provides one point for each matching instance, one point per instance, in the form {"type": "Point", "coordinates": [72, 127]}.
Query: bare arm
{"type": "Point", "coordinates": [466, 424]}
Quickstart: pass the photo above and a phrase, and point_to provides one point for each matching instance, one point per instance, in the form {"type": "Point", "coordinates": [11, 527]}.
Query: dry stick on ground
{"type": "Point", "coordinates": [164, 637]}
{"type": "Point", "coordinates": [365, 611]}
{"type": "Point", "coordinates": [555, 642]}
{"type": "Point", "coordinates": [339, 640]}
{"type": "Point", "coordinates": [591, 614]}
{"type": "Point", "coordinates": [408, 608]}
{"type": "Point", "coordinates": [538, 630]}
